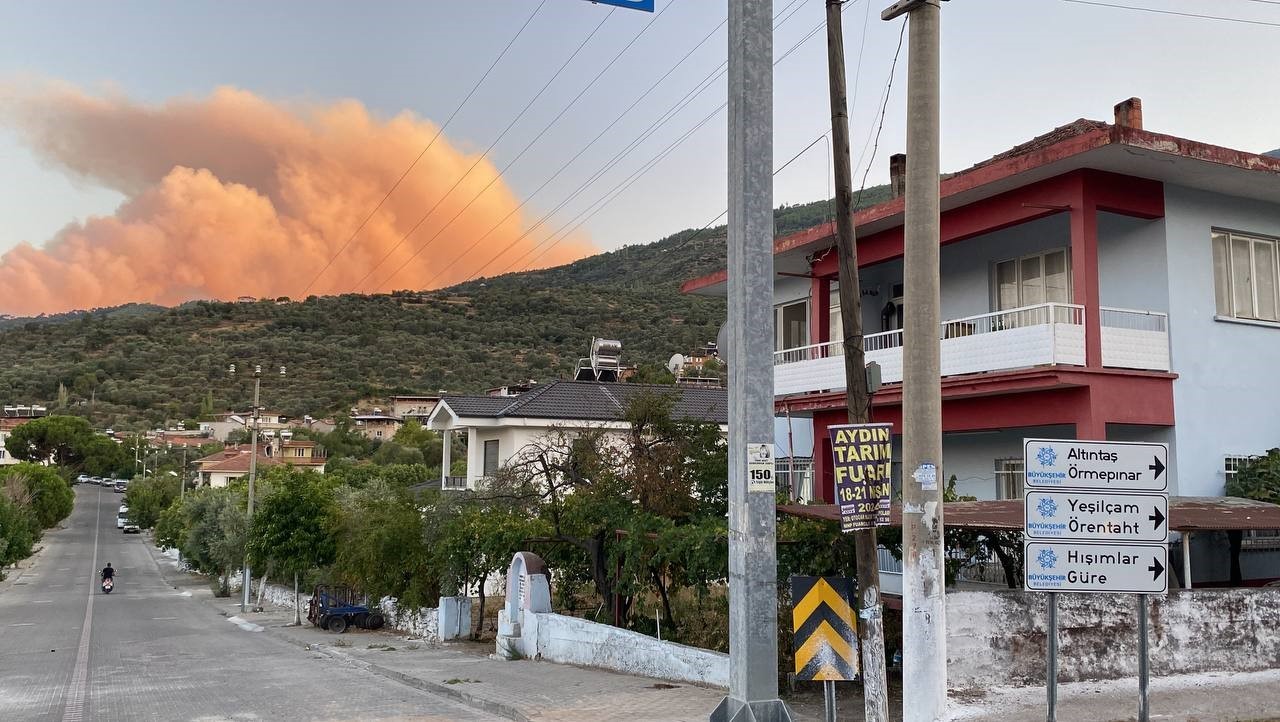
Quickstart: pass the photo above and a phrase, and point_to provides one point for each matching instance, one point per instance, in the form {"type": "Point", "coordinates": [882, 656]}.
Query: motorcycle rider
{"type": "Point", "coordinates": [108, 572]}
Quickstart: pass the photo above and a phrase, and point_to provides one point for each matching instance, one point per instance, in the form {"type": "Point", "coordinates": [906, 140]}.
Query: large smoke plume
{"type": "Point", "coordinates": [235, 195]}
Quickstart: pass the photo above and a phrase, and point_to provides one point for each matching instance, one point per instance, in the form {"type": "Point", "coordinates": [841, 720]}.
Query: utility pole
{"type": "Point", "coordinates": [253, 475]}
{"type": "Point", "coordinates": [924, 655]}
{"type": "Point", "coordinates": [857, 399]}
{"type": "Point", "coordinates": [753, 553]}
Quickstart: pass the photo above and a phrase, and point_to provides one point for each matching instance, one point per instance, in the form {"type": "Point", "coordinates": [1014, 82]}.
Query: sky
{"type": "Point", "coordinates": [397, 71]}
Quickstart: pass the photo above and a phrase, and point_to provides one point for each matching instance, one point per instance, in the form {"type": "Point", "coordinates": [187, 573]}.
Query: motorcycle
{"type": "Point", "coordinates": [107, 584]}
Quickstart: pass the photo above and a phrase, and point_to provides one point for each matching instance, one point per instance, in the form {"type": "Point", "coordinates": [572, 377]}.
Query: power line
{"type": "Point", "coordinates": [663, 119]}
{"type": "Point", "coordinates": [613, 194]}
{"type": "Point", "coordinates": [427, 147]}
{"type": "Point", "coordinates": [575, 156]}
{"type": "Point", "coordinates": [486, 152]}
{"type": "Point", "coordinates": [1174, 12]}
{"type": "Point", "coordinates": [884, 106]}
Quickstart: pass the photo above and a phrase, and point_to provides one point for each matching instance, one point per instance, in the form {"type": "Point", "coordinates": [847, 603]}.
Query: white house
{"type": "Point", "coordinates": [1101, 281]}
{"type": "Point", "coordinates": [498, 428]}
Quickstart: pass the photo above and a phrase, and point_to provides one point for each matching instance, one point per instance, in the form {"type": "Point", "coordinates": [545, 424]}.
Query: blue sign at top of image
{"type": "Point", "coordinates": [645, 5]}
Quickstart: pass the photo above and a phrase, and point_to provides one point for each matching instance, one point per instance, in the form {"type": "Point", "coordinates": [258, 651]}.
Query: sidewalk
{"type": "Point", "coordinates": [532, 691]}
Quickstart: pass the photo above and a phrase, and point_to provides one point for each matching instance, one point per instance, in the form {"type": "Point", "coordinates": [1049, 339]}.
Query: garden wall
{"type": "Point", "coordinates": [999, 638]}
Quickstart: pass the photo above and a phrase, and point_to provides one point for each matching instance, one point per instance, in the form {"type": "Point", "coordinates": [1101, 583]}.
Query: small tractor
{"type": "Point", "coordinates": [337, 608]}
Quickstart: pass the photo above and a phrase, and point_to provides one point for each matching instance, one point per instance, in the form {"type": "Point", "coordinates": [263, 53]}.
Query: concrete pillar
{"type": "Point", "coordinates": [820, 311]}
{"type": "Point", "coordinates": [1084, 270]}
{"type": "Point", "coordinates": [446, 459]}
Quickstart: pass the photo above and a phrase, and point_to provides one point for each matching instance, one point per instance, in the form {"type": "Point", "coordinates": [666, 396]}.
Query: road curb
{"type": "Point", "coordinates": [442, 690]}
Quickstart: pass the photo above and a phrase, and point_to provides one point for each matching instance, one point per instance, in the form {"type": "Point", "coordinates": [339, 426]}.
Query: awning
{"type": "Point", "coordinates": [1186, 513]}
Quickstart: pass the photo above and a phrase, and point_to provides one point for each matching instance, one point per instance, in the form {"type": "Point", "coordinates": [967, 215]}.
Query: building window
{"type": "Point", "coordinates": [1254, 538]}
{"type": "Point", "coordinates": [299, 452]}
{"type": "Point", "coordinates": [1032, 280]}
{"type": "Point", "coordinates": [1, 453]}
{"type": "Point", "coordinates": [491, 457]}
{"type": "Point", "coordinates": [378, 433]}
{"type": "Point", "coordinates": [791, 324]}
{"type": "Point", "coordinates": [1246, 276]}
{"type": "Point", "coordinates": [1009, 475]}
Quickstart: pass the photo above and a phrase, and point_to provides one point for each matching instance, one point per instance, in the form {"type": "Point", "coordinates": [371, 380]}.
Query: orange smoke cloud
{"type": "Point", "coordinates": [234, 195]}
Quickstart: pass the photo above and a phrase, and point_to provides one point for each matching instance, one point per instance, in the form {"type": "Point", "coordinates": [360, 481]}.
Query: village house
{"type": "Point", "coordinates": [1101, 281]}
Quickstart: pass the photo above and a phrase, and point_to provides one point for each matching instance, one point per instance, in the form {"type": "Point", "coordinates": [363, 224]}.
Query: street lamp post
{"type": "Point", "coordinates": [253, 468]}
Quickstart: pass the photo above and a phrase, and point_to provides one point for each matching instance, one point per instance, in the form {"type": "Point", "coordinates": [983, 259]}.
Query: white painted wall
{"type": "Point", "coordinates": [966, 265]}
{"type": "Point", "coordinates": [1226, 398]}
{"type": "Point", "coordinates": [970, 457]}
{"type": "Point", "coordinates": [569, 640]}
{"type": "Point", "coordinates": [998, 638]}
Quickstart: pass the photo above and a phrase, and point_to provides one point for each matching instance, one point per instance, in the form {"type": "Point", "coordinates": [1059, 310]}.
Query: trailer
{"type": "Point", "coordinates": [338, 608]}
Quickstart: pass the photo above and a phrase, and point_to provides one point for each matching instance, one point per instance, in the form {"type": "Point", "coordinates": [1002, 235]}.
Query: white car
{"type": "Point", "coordinates": [122, 517]}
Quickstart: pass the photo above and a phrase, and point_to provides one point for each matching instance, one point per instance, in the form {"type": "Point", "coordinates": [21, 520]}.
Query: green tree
{"type": "Point", "coordinates": [210, 528]}
{"type": "Point", "coordinates": [149, 498]}
{"type": "Point", "coordinates": [48, 495]}
{"type": "Point", "coordinates": [1259, 480]}
{"type": "Point", "coordinates": [382, 549]}
{"type": "Point", "coordinates": [19, 530]}
{"type": "Point", "coordinates": [104, 457]}
{"type": "Point", "coordinates": [391, 452]}
{"type": "Point", "coordinates": [293, 528]}
{"type": "Point", "coordinates": [412, 434]}
{"type": "Point", "coordinates": [475, 538]}
{"type": "Point", "coordinates": [63, 439]}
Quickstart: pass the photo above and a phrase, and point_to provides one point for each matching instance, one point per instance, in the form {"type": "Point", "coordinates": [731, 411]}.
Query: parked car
{"type": "Point", "coordinates": [83, 479]}
{"type": "Point", "coordinates": [122, 517]}
{"type": "Point", "coordinates": [121, 486]}
{"type": "Point", "coordinates": [131, 528]}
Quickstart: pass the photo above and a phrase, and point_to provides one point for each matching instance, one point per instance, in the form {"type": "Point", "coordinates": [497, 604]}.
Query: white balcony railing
{"type": "Point", "coordinates": [1049, 333]}
{"type": "Point", "coordinates": [453, 483]}
{"type": "Point", "coordinates": [1135, 339]}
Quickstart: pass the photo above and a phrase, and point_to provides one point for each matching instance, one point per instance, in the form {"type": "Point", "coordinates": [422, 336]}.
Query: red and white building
{"type": "Point", "coordinates": [1101, 281]}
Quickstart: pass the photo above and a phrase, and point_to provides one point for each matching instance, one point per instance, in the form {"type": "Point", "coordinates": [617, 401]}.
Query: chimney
{"type": "Point", "coordinates": [1129, 113]}
{"type": "Point", "coordinates": [898, 174]}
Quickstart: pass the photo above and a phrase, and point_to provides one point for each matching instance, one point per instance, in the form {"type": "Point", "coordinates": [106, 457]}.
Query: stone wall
{"type": "Point", "coordinates": [999, 638]}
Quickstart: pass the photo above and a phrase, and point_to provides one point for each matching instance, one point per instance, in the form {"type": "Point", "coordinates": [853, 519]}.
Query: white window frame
{"type": "Point", "coordinates": [1010, 477]}
{"type": "Point", "coordinates": [780, 331]}
{"type": "Point", "coordinates": [1018, 261]}
{"type": "Point", "coordinates": [1229, 238]}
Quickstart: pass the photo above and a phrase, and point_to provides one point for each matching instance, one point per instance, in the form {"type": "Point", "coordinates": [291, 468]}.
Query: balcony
{"type": "Point", "coordinates": [1045, 334]}
{"type": "Point", "coordinates": [453, 483]}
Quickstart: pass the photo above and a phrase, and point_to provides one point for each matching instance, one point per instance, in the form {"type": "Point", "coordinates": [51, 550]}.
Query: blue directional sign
{"type": "Point", "coordinates": [645, 5]}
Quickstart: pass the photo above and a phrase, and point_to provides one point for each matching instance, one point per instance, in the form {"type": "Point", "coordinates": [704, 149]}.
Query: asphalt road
{"type": "Point", "coordinates": [148, 651]}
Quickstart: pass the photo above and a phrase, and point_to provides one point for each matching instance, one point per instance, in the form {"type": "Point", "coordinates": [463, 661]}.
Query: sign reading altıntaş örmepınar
{"type": "Point", "coordinates": [1062, 566]}
{"type": "Point", "coordinates": [1100, 465]}
{"type": "Point", "coordinates": [1096, 516]}
{"type": "Point", "coordinates": [862, 458]}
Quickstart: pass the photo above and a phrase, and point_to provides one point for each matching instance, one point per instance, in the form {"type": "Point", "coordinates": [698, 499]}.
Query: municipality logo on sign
{"type": "Point", "coordinates": [1046, 456]}
{"type": "Point", "coordinates": [1047, 559]}
{"type": "Point", "coordinates": [1047, 507]}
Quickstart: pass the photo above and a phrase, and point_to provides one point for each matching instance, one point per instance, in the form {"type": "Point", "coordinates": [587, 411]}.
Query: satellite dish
{"type": "Point", "coordinates": [722, 342]}
{"type": "Point", "coordinates": [675, 363]}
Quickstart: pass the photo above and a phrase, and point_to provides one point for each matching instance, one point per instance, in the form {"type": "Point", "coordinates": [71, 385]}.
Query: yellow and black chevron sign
{"type": "Point", "coordinates": [826, 638]}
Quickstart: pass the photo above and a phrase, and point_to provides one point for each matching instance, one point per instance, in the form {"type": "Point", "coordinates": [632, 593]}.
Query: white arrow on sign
{"type": "Point", "coordinates": [1093, 516]}
{"type": "Point", "coordinates": [1109, 465]}
{"type": "Point", "coordinates": [1098, 568]}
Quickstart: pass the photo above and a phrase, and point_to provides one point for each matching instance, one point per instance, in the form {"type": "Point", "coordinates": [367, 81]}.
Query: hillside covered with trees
{"type": "Point", "coordinates": [141, 366]}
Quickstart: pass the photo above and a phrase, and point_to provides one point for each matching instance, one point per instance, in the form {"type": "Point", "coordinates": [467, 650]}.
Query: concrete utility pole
{"type": "Point", "coordinates": [857, 399]}
{"type": "Point", "coordinates": [753, 553]}
{"type": "Point", "coordinates": [253, 475]}
{"type": "Point", "coordinates": [924, 655]}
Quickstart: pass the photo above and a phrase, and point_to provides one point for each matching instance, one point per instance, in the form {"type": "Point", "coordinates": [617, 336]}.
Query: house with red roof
{"type": "Point", "coordinates": [1101, 281]}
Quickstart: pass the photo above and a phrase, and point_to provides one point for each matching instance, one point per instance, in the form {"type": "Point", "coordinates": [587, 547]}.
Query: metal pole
{"type": "Point", "coordinates": [924, 657]}
{"type": "Point", "coordinates": [829, 699]}
{"type": "Point", "coordinates": [1051, 661]}
{"type": "Point", "coordinates": [1144, 665]}
{"type": "Point", "coordinates": [253, 474]}
{"type": "Point", "coordinates": [857, 399]}
{"type": "Point", "coordinates": [753, 554]}
{"type": "Point", "coordinates": [1186, 560]}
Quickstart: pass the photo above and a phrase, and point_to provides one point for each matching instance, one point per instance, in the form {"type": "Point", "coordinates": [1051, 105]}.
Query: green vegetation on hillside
{"type": "Point", "coordinates": [137, 367]}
